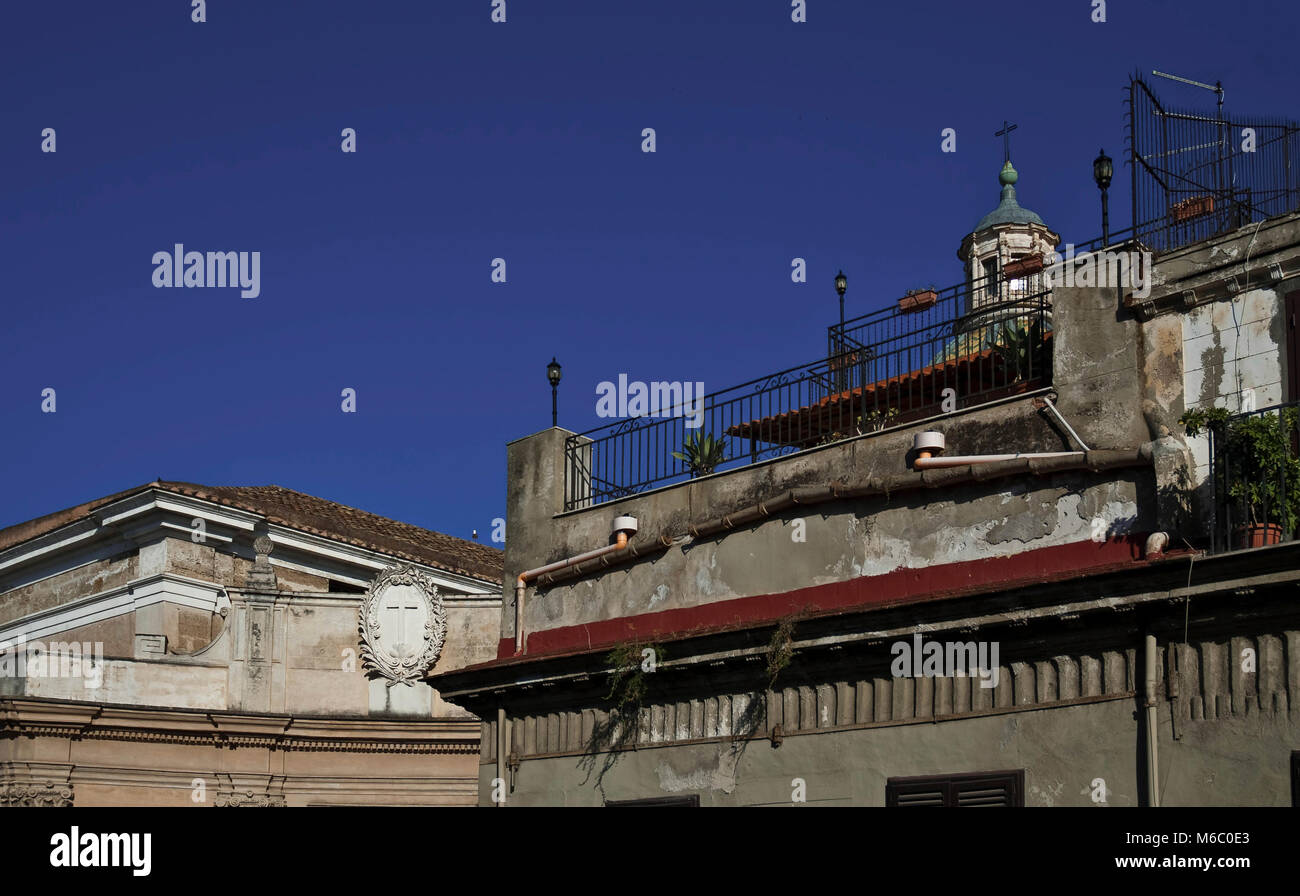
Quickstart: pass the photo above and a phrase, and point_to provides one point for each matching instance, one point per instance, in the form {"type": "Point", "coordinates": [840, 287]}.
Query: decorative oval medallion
{"type": "Point", "coordinates": [403, 625]}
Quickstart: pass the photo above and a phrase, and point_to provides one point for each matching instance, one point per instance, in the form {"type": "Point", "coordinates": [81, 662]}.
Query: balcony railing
{"type": "Point", "coordinates": [1196, 174]}
{"type": "Point", "coordinates": [1255, 471]}
{"type": "Point", "coordinates": [953, 348]}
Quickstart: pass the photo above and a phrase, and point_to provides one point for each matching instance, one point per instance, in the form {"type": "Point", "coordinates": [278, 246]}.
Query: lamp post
{"type": "Point", "coordinates": [1102, 169]}
{"type": "Point", "coordinates": [553, 377]}
{"type": "Point", "coordinates": [841, 285]}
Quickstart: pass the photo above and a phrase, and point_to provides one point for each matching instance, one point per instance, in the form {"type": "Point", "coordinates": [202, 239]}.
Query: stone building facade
{"type": "Point", "coordinates": [1088, 646]}
{"type": "Point", "coordinates": [177, 644]}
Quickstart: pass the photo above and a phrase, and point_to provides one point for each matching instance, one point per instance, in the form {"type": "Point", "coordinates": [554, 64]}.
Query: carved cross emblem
{"type": "Point", "coordinates": [403, 618]}
{"type": "Point", "coordinates": [402, 624]}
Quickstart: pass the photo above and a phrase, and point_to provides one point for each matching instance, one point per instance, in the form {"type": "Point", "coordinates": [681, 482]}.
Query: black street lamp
{"type": "Point", "coordinates": [841, 285]}
{"type": "Point", "coordinates": [1102, 169]}
{"type": "Point", "coordinates": [553, 377]}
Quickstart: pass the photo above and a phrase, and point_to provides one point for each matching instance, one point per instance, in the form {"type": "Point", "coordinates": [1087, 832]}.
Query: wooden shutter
{"type": "Point", "coordinates": [1006, 788]}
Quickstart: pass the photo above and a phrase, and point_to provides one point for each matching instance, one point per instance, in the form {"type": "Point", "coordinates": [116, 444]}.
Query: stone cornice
{"type": "Point", "coordinates": [1256, 256]}
{"type": "Point", "coordinates": [33, 717]}
{"type": "Point", "coordinates": [134, 595]}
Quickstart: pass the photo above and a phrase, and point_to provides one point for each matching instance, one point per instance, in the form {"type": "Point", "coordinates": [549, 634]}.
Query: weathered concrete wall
{"type": "Point", "coordinates": [1063, 751]}
{"type": "Point", "coordinates": [535, 482]}
{"type": "Point", "coordinates": [1233, 353]}
{"type": "Point", "coordinates": [1233, 345]}
{"type": "Point", "coordinates": [472, 630]}
{"type": "Point", "coordinates": [1099, 380]}
{"type": "Point", "coordinates": [1214, 335]}
{"type": "Point", "coordinates": [1096, 367]}
{"type": "Point", "coordinates": [851, 767]}
{"type": "Point", "coordinates": [842, 540]}
{"type": "Point", "coordinates": [116, 634]}
{"type": "Point", "coordinates": [1066, 717]}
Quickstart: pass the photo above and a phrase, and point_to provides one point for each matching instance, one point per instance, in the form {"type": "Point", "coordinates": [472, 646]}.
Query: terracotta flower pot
{"type": "Point", "coordinates": [1193, 207]}
{"type": "Point", "coordinates": [918, 301]}
{"type": "Point", "coordinates": [1030, 264]}
{"type": "Point", "coordinates": [1259, 536]}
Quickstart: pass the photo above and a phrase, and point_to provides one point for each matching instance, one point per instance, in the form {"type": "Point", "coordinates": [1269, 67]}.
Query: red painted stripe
{"type": "Point", "coordinates": [901, 586]}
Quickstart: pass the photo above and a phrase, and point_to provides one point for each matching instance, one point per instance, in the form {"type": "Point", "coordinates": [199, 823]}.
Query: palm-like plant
{"type": "Point", "coordinates": [702, 453]}
{"type": "Point", "coordinates": [1024, 351]}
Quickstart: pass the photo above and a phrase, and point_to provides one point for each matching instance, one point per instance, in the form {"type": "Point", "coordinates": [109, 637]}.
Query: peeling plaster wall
{"type": "Point", "coordinates": [849, 539]}
{"type": "Point", "coordinates": [842, 539]}
{"type": "Point", "coordinates": [1230, 346]}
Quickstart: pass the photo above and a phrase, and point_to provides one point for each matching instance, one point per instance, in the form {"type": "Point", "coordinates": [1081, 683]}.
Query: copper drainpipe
{"type": "Point", "coordinates": [624, 526]}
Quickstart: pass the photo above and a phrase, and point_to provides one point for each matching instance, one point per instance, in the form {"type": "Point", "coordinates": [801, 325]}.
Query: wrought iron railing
{"type": "Point", "coordinates": [1255, 472]}
{"type": "Point", "coordinates": [949, 349]}
{"type": "Point", "coordinates": [900, 338]}
{"type": "Point", "coordinates": [1196, 175]}
{"type": "Point", "coordinates": [935, 350]}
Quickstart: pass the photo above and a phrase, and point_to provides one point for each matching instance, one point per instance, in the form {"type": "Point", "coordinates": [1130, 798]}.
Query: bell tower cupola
{"type": "Point", "coordinates": [1006, 249]}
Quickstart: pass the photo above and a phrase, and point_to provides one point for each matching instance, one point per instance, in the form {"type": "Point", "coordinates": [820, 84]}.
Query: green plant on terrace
{"type": "Point", "coordinates": [1256, 451]}
{"type": "Point", "coordinates": [1024, 350]}
{"type": "Point", "coordinates": [702, 453]}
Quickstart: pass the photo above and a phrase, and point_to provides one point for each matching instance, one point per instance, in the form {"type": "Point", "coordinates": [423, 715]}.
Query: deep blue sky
{"type": "Point", "coordinates": [478, 140]}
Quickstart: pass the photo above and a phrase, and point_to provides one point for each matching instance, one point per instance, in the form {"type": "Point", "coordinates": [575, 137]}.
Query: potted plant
{"type": "Point", "coordinates": [875, 421]}
{"type": "Point", "coordinates": [1192, 207]}
{"type": "Point", "coordinates": [702, 453]}
{"type": "Point", "coordinates": [1024, 351]}
{"type": "Point", "coordinates": [918, 300]}
{"type": "Point", "coordinates": [1023, 266]}
{"type": "Point", "coordinates": [1262, 472]}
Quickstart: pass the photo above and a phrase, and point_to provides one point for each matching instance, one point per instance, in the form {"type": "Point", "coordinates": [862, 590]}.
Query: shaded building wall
{"type": "Point", "coordinates": [1068, 718]}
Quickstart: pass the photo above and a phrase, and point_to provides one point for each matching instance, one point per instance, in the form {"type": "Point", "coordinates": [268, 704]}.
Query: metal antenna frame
{"type": "Point", "coordinates": [1226, 179]}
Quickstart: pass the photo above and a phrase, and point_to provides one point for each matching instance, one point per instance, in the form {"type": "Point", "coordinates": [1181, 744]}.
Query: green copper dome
{"type": "Point", "coordinates": [1008, 210]}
